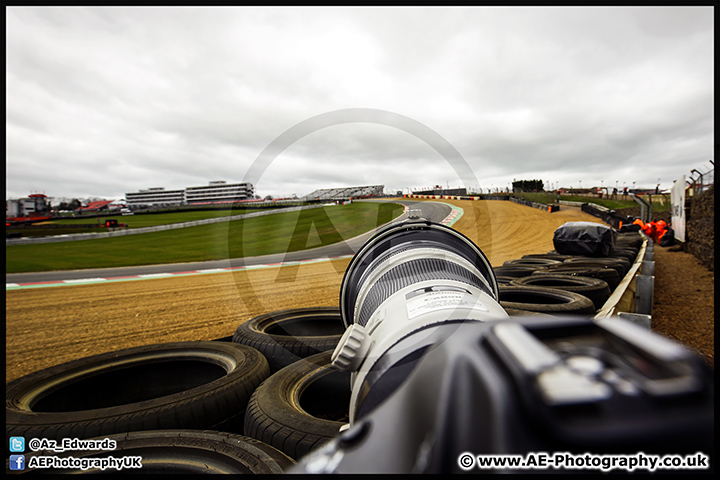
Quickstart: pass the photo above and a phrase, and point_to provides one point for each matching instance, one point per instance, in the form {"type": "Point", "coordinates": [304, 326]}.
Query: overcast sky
{"type": "Point", "coordinates": [104, 101]}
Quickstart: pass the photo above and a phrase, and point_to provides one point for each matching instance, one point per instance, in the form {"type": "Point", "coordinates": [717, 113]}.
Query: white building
{"type": "Point", "coordinates": [35, 205]}
{"type": "Point", "coordinates": [219, 192]}
{"type": "Point", "coordinates": [155, 197]}
{"type": "Point", "coordinates": [117, 205]}
{"type": "Point", "coordinates": [215, 192]}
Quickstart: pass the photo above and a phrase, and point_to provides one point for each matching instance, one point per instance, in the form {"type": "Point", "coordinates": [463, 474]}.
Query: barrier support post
{"type": "Point", "coordinates": [644, 294]}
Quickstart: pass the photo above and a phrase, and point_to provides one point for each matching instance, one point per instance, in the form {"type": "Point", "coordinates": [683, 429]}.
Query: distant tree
{"type": "Point", "coordinates": [528, 186]}
{"type": "Point", "coordinates": [63, 206]}
{"type": "Point", "coordinates": [74, 204]}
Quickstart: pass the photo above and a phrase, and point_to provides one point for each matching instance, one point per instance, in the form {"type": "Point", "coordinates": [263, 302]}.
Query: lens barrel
{"type": "Point", "coordinates": [410, 253]}
{"type": "Point", "coordinates": [409, 279]}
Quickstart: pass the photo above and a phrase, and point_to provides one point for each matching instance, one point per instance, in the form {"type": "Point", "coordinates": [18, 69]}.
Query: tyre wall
{"type": "Point", "coordinates": [541, 206]}
{"type": "Point", "coordinates": [600, 212]}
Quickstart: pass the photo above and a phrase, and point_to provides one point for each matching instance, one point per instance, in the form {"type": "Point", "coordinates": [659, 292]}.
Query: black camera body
{"type": "Point", "coordinates": [513, 386]}
{"type": "Point", "coordinates": [444, 381]}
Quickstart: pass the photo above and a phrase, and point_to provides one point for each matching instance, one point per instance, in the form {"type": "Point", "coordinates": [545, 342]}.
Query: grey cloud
{"type": "Point", "coordinates": [176, 97]}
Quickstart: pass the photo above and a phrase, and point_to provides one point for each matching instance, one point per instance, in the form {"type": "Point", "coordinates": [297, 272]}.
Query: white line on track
{"type": "Point", "coordinates": [454, 215]}
{"type": "Point", "coordinates": [80, 280]}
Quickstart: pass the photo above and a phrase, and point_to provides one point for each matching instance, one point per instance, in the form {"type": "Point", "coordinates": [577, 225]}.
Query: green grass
{"type": "Point", "coordinates": [611, 204]}
{"type": "Point", "coordinates": [54, 227]}
{"type": "Point", "coordinates": [551, 198]}
{"type": "Point", "coordinates": [282, 232]}
{"type": "Point", "coordinates": [152, 220]}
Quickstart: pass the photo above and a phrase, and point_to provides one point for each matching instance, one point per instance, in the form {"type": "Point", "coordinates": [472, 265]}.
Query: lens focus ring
{"type": "Point", "coordinates": [410, 273]}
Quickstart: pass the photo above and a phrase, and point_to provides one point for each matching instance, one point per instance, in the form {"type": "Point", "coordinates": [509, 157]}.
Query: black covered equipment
{"type": "Point", "coordinates": [584, 238]}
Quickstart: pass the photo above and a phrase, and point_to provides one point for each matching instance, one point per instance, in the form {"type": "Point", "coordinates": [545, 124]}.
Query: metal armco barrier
{"type": "Point", "coordinates": [497, 197]}
{"type": "Point", "coordinates": [599, 211]}
{"type": "Point", "coordinates": [649, 253]}
{"type": "Point", "coordinates": [634, 294]}
{"type": "Point", "coordinates": [636, 318]}
{"type": "Point", "coordinates": [644, 286]}
{"type": "Point", "coordinates": [159, 228]}
{"type": "Point", "coordinates": [648, 267]}
{"type": "Point", "coordinates": [571, 204]}
{"type": "Point", "coordinates": [541, 206]}
{"type": "Point", "coordinates": [445, 197]}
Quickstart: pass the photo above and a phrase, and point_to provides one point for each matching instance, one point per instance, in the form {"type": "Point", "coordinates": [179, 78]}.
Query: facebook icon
{"type": "Point", "coordinates": [17, 462]}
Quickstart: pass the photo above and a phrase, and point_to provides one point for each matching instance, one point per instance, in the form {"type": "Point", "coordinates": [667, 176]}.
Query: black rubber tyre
{"type": "Point", "coordinates": [632, 239]}
{"type": "Point", "coordinates": [551, 256]}
{"type": "Point", "coordinates": [182, 452]}
{"type": "Point", "coordinates": [532, 262]}
{"type": "Point", "coordinates": [515, 271]}
{"type": "Point", "coordinates": [514, 312]}
{"type": "Point", "coordinates": [621, 265]}
{"type": "Point", "coordinates": [626, 251]}
{"type": "Point", "coordinates": [183, 385]}
{"type": "Point", "coordinates": [503, 279]}
{"type": "Point", "coordinates": [610, 275]}
{"type": "Point", "coordinates": [286, 336]}
{"type": "Point", "coordinates": [300, 407]}
{"type": "Point", "coordinates": [545, 300]}
{"type": "Point", "coordinates": [595, 289]}
{"type": "Point", "coordinates": [223, 339]}
{"type": "Point", "coordinates": [629, 254]}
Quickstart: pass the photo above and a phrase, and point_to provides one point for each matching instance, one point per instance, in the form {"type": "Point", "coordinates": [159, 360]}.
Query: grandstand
{"type": "Point", "coordinates": [345, 193]}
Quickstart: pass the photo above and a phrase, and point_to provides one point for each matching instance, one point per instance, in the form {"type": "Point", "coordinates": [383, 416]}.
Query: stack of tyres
{"type": "Point", "coordinates": [524, 282]}
{"type": "Point", "coordinates": [633, 240]}
{"type": "Point", "coordinates": [286, 336]}
{"type": "Point", "coordinates": [268, 394]}
{"type": "Point", "coordinates": [523, 267]}
{"type": "Point", "coordinates": [304, 402]}
{"type": "Point", "coordinates": [524, 295]}
{"type": "Point", "coordinates": [609, 275]}
{"type": "Point", "coordinates": [630, 241]}
{"type": "Point", "coordinates": [503, 279]}
{"type": "Point", "coordinates": [532, 262]}
{"type": "Point", "coordinates": [595, 277]}
{"type": "Point", "coordinates": [301, 406]}
{"type": "Point", "coordinates": [545, 300]}
{"type": "Point", "coordinates": [621, 265]}
{"type": "Point", "coordinates": [177, 406]}
{"type": "Point", "coordinates": [192, 397]}
{"type": "Point", "coordinates": [552, 255]}
{"type": "Point", "coordinates": [183, 385]}
{"type": "Point", "coordinates": [514, 271]}
{"type": "Point", "coordinates": [595, 289]}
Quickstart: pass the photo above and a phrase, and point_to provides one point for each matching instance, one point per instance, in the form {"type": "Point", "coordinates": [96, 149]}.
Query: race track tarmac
{"type": "Point", "coordinates": [49, 326]}
{"type": "Point", "coordinates": [433, 211]}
